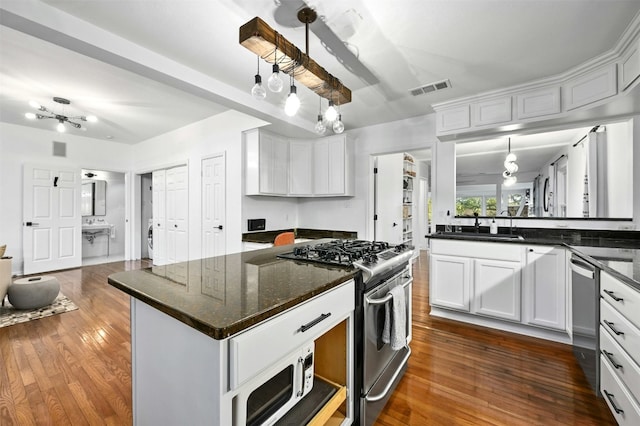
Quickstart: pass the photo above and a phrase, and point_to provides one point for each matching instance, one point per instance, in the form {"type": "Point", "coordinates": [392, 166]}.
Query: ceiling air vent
{"type": "Point", "coordinates": [431, 87]}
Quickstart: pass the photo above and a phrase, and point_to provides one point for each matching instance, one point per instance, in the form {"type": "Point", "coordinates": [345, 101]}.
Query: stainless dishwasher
{"type": "Point", "coordinates": [585, 315]}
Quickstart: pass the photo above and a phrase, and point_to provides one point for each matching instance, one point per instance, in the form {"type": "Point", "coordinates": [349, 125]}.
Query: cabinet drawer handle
{"type": "Point", "coordinates": [310, 324]}
{"type": "Point", "coordinates": [613, 296]}
{"type": "Point", "coordinates": [610, 324]}
{"type": "Point", "coordinates": [613, 403]}
{"type": "Point", "coordinates": [609, 356]}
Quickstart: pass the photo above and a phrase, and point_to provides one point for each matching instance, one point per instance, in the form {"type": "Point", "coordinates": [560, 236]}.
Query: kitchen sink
{"type": "Point", "coordinates": [483, 236]}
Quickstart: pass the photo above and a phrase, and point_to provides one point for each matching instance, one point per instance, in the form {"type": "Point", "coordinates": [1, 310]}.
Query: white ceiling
{"type": "Point", "coordinates": [479, 45]}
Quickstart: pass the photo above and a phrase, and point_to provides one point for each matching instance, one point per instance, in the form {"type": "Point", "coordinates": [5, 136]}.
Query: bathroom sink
{"type": "Point", "coordinates": [95, 226]}
{"type": "Point", "coordinates": [482, 236]}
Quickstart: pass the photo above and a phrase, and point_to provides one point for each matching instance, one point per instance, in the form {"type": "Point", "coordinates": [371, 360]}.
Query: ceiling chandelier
{"type": "Point", "coordinates": [43, 113]}
{"type": "Point", "coordinates": [510, 168]}
{"type": "Point", "coordinates": [271, 46]}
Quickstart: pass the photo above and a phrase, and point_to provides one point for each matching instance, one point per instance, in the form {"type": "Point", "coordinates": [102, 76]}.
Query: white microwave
{"type": "Point", "coordinates": [269, 396]}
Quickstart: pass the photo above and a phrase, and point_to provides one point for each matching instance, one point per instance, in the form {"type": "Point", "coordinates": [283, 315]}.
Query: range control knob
{"type": "Point", "coordinates": [370, 258]}
{"type": "Point", "coordinates": [400, 248]}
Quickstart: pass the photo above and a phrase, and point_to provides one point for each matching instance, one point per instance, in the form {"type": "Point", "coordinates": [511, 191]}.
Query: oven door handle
{"type": "Point", "coordinates": [388, 297]}
{"type": "Point", "coordinates": [385, 391]}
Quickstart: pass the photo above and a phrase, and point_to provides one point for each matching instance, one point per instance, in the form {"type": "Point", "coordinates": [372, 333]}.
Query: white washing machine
{"type": "Point", "coordinates": [150, 239]}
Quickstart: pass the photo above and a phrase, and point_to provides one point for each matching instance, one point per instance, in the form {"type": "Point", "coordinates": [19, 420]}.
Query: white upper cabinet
{"type": "Point", "coordinates": [300, 168]}
{"type": "Point", "coordinates": [492, 111]}
{"type": "Point", "coordinates": [333, 166]}
{"type": "Point", "coordinates": [452, 119]}
{"type": "Point", "coordinates": [538, 103]}
{"type": "Point", "coordinates": [591, 87]}
{"type": "Point", "coordinates": [266, 164]}
{"type": "Point", "coordinates": [277, 166]}
{"type": "Point", "coordinates": [630, 66]}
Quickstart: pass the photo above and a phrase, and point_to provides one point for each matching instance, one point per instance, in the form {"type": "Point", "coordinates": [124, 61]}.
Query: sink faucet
{"type": "Point", "coordinates": [477, 224]}
{"type": "Point", "coordinates": [510, 221]}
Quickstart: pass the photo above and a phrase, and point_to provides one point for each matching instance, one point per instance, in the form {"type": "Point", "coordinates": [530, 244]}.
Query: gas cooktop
{"type": "Point", "coordinates": [370, 256]}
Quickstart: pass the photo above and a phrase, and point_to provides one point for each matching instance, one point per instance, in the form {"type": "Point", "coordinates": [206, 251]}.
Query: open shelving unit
{"type": "Point", "coordinates": [408, 176]}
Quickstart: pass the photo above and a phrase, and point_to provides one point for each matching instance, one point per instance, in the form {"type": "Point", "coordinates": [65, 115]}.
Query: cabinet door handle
{"type": "Point", "coordinates": [613, 296]}
{"type": "Point", "coordinates": [610, 324]}
{"type": "Point", "coordinates": [609, 356]}
{"type": "Point", "coordinates": [613, 403]}
{"type": "Point", "coordinates": [310, 324]}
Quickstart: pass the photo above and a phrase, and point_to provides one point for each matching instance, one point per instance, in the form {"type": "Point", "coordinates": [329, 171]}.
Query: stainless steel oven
{"type": "Point", "coordinates": [585, 316]}
{"type": "Point", "coordinates": [383, 367]}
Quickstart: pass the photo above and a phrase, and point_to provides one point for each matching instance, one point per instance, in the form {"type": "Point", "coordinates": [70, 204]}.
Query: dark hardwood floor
{"type": "Point", "coordinates": [74, 368]}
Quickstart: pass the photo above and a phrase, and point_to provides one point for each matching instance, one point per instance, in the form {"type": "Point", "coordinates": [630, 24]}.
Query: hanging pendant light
{"type": "Point", "coordinates": [331, 113]}
{"type": "Point", "coordinates": [338, 125]}
{"type": "Point", "coordinates": [292, 105]}
{"type": "Point", "coordinates": [275, 83]}
{"type": "Point", "coordinates": [257, 91]}
{"type": "Point", "coordinates": [510, 167]}
{"type": "Point", "coordinates": [320, 128]}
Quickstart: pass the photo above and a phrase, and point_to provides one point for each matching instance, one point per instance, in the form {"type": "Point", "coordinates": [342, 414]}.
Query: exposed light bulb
{"type": "Point", "coordinates": [510, 181]}
{"type": "Point", "coordinates": [320, 127]}
{"type": "Point", "coordinates": [275, 83]}
{"type": "Point", "coordinates": [338, 126]}
{"type": "Point", "coordinates": [30, 116]}
{"type": "Point", "coordinates": [60, 127]}
{"type": "Point", "coordinates": [511, 166]}
{"type": "Point", "coordinates": [331, 113]}
{"type": "Point", "coordinates": [257, 91]}
{"type": "Point", "coordinates": [34, 104]}
{"type": "Point", "coordinates": [91, 118]}
{"type": "Point", "coordinates": [511, 157]}
{"type": "Point", "coordinates": [293, 103]}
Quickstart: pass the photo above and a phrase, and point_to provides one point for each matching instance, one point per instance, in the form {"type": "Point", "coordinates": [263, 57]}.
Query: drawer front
{"type": "Point", "coordinates": [621, 330]}
{"type": "Point", "coordinates": [621, 363]}
{"type": "Point", "coordinates": [621, 296]}
{"type": "Point", "coordinates": [621, 404]}
{"type": "Point", "coordinates": [256, 349]}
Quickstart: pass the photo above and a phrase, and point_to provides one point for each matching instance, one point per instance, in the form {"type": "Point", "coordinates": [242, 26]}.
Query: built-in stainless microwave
{"type": "Point", "coordinates": [270, 395]}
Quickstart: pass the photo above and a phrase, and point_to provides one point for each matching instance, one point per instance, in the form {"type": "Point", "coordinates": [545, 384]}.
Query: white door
{"type": "Point", "coordinates": [177, 215]}
{"type": "Point", "coordinates": [52, 231]}
{"type": "Point", "coordinates": [389, 185]}
{"type": "Point", "coordinates": [159, 201]}
{"type": "Point", "coordinates": [450, 282]}
{"type": "Point", "coordinates": [213, 206]}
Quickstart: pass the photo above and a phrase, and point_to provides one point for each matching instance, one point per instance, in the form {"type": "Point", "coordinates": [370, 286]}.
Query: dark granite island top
{"type": "Point", "coordinates": [224, 295]}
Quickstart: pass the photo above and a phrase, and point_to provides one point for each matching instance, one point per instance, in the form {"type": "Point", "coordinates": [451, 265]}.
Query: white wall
{"type": "Point", "coordinates": [279, 212]}
{"type": "Point", "coordinates": [221, 133]}
{"type": "Point", "coordinates": [20, 145]}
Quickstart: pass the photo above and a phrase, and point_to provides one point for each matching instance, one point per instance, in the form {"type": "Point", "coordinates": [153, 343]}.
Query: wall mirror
{"type": "Point", "coordinates": [584, 172]}
{"type": "Point", "coordinates": [93, 197]}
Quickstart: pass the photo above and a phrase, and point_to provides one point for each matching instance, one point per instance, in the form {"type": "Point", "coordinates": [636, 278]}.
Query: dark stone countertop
{"type": "Point", "coordinates": [224, 295]}
{"type": "Point", "coordinates": [312, 234]}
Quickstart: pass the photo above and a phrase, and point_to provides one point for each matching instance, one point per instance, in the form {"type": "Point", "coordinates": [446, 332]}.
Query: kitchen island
{"type": "Point", "coordinates": [201, 345]}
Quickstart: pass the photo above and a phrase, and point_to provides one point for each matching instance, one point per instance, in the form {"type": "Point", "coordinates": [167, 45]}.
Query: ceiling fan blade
{"type": "Point", "coordinates": [339, 49]}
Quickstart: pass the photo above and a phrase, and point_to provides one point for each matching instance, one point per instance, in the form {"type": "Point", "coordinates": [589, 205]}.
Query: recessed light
{"type": "Point", "coordinates": [109, 137]}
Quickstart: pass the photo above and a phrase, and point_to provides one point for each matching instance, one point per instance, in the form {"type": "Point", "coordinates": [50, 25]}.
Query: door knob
{"type": "Point", "coordinates": [219, 227]}
{"type": "Point", "coordinates": [175, 226]}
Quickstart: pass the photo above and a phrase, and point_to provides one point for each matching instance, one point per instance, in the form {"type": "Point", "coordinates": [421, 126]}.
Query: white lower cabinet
{"type": "Point", "coordinates": [502, 285]}
{"type": "Point", "coordinates": [545, 287]}
{"type": "Point", "coordinates": [182, 376]}
{"type": "Point", "coordinates": [497, 289]}
{"type": "Point", "coordinates": [450, 282]}
{"type": "Point", "coordinates": [620, 349]}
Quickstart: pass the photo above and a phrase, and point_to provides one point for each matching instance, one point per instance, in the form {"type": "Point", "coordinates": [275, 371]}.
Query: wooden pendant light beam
{"type": "Point", "coordinates": [257, 36]}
